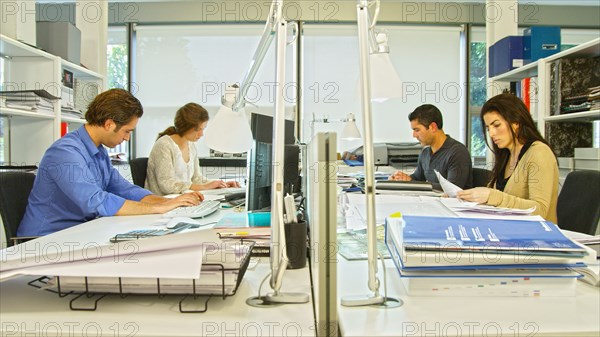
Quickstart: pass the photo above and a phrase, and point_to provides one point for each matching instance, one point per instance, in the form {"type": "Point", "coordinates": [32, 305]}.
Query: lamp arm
{"type": "Point", "coordinates": [372, 39]}
{"type": "Point", "coordinates": [275, 17]}
{"type": "Point", "coordinates": [277, 227]}
{"type": "Point", "coordinates": [369, 158]}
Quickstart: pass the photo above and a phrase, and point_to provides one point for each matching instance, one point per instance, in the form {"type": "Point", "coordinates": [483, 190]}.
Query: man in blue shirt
{"type": "Point", "coordinates": [441, 153]}
{"type": "Point", "coordinates": [76, 181]}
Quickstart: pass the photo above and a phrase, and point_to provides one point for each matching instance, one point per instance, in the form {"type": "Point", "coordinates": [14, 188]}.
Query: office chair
{"type": "Point", "coordinates": [15, 187]}
{"type": "Point", "coordinates": [139, 167]}
{"type": "Point", "coordinates": [578, 206]}
{"type": "Point", "coordinates": [481, 177]}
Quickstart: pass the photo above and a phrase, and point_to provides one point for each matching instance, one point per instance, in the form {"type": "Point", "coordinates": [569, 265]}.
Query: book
{"type": "Point", "coordinates": [255, 227]}
{"type": "Point", "coordinates": [515, 283]}
{"type": "Point", "coordinates": [459, 259]}
{"type": "Point", "coordinates": [445, 233]}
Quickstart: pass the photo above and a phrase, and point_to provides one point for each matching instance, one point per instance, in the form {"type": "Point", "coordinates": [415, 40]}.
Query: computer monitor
{"type": "Point", "coordinates": [260, 164]}
{"type": "Point", "coordinates": [321, 203]}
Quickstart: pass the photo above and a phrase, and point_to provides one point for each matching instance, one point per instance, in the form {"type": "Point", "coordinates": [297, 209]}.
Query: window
{"type": "Point", "coordinates": [117, 57]}
{"type": "Point", "coordinates": [331, 75]}
{"type": "Point", "coordinates": [177, 64]}
{"type": "Point", "coordinates": [117, 70]}
{"type": "Point", "coordinates": [477, 90]}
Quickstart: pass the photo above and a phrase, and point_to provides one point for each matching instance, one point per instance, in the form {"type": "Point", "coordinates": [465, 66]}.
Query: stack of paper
{"type": "Point", "coordinates": [472, 209]}
{"type": "Point", "coordinates": [217, 275]}
{"type": "Point", "coordinates": [346, 181]}
{"type": "Point", "coordinates": [30, 100]}
{"type": "Point", "coordinates": [441, 256]}
{"type": "Point", "coordinates": [178, 261]}
{"type": "Point", "coordinates": [255, 226]}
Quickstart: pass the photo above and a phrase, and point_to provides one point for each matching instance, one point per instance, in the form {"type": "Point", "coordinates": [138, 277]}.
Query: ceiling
{"type": "Point", "coordinates": [536, 2]}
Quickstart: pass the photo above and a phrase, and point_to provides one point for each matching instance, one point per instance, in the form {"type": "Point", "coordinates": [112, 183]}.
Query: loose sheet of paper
{"type": "Point", "coordinates": [449, 188]}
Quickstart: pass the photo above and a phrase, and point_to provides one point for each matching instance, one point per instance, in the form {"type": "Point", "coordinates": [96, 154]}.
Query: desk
{"type": "Point", "coordinates": [25, 309]}
{"type": "Point", "coordinates": [463, 316]}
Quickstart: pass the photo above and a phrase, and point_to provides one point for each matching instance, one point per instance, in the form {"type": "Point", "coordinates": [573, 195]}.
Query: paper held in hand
{"type": "Point", "coordinates": [449, 188]}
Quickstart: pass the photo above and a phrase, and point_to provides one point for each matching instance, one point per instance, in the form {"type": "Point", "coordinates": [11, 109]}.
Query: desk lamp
{"type": "Point", "coordinates": [369, 43]}
{"type": "Point", "coordinates": [233, 102]}
{"type": "Point", "coordinates": [350, 130]}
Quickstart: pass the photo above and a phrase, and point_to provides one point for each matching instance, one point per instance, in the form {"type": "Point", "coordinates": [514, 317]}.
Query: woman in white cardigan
{"type": "Point", "coordinates": [173, 165]}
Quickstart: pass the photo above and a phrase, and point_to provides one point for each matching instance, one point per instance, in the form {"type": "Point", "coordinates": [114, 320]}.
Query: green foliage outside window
{"type": "Point", "coordinates": [478, 94]}
{"type": "Point", "coordinates": [117, 66]}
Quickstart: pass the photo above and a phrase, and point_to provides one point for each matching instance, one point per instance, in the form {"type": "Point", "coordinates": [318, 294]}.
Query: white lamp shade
{"type": "Point", "coordinates": [350, 130]}
{"type": "Point", "coordinates": [229, 132]}
{"type": "Point", "coordinates": [385, 82]}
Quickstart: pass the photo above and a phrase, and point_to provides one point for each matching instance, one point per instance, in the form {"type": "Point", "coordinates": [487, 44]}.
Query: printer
{"type": "Point", "coordinates": [394, 154]}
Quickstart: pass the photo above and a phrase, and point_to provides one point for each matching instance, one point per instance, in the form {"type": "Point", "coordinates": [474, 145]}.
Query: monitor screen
{"type": "Point", "coordinates": [260, 165]}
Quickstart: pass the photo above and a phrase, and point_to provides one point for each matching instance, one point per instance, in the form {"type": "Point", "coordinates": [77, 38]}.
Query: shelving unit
{"type": "Point", "coordinates": [541, 70]}
{"type": "Point", "coordinates": [584, 116]}
{"type": "Point", "coordinates": [27, 68]}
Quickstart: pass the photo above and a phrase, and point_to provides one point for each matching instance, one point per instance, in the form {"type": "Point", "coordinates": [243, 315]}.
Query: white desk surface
{"type": "Point", "coordinates": [25, 309]}
{"type": "Point", "coordinates": [463, 316]}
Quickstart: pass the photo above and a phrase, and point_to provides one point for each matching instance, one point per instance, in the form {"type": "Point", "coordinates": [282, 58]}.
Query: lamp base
{"type": "Point", "coordinates": [362, 300]}
{"type": "Point", "coordinates": [261, 302]}
{"type": "Point", "coordinates": [286, 298]}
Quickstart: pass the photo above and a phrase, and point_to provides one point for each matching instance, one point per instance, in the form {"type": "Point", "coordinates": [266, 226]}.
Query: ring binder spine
{"type": "Point", "coordinates": [73, 303]}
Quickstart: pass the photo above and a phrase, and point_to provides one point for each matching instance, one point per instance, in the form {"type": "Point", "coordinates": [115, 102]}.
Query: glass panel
{"type": "Point", "coordinates": [117, 74]}
{"type": "Point", "coordinates": [117, 57]}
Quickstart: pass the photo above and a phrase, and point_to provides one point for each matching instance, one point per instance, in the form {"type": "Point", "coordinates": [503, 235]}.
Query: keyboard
{"type": "Point", "coordinates": [146, 233]}
{"type": "Point", "coordinates": [224, 191]}
{"type": "Point", "coordinates": [205, 208]}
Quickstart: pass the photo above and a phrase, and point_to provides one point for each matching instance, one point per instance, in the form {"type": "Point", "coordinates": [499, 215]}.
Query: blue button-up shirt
{"type": "Point", "coordinates": [75, 183]}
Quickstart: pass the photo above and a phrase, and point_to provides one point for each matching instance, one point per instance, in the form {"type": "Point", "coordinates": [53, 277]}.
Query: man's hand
{"type": "Point", "coordinates": [479, 195]}
{"type": "Point", "coordinates": [399, 175]}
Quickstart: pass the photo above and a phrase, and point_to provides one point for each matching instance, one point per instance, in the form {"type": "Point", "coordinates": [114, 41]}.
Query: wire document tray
{"type": "Point", "coordinates": [88, 290]}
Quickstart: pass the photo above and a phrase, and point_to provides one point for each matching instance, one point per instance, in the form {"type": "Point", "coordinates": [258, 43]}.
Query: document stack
{"type": "Point", "coordinates": [452, 256]}
{"type": "Point", "coordinates": [254, 226]}
{"type": "Point", "coordinates": [194, 262]}
{"type": "Point", "coordinates": [29, 100]}
{"type": "Point", "coordinates": [218, 275]}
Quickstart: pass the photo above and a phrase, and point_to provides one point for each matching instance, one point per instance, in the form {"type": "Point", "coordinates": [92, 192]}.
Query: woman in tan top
{"type": "Point", "coordinates": [173, 165]}
{"type": "Point", "coordinates": [525, 172]}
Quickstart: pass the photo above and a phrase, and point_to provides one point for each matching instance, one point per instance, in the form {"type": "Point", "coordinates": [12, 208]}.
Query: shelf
{"type": "Point", "coordinates": [79, 71]}
{"type": "Point", "coordinates": [24, 113]}
{"type": "Point", "coordinates": [584, 116]}
{"type": "Point", "coordinates": [13, 48]}
{"type": "Point", "coordinates": [72, 120]}
{"type": "Point", "coordinates": [584, 50]}
{"type": "Point", "coordinates": [528, 70]}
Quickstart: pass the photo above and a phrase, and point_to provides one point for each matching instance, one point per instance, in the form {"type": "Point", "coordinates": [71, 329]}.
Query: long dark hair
{"type": "Point", "coordinates": [514, 111]}
{"type": "Point", "coordinates": [187, 117]}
